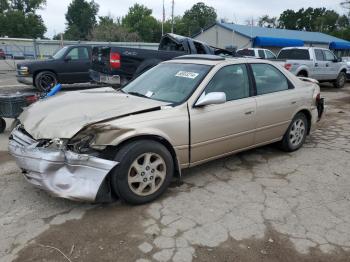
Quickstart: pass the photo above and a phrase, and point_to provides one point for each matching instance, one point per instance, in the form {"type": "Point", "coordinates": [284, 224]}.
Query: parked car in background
{"type": "Point", "coordinates": [69, 65]}
{"type": "Point", "coordinates": [317, 63]}
{"type": "Point", "coordinates": [347, 61]}
{"type": "Point", "coordinates": [117, 65]}
{"type": "Point", "coordinates": [179, 114]}
{"type": "Point", "coordinates": [257, 53]}
{"type": "Point", "coordinates": [2, 54]}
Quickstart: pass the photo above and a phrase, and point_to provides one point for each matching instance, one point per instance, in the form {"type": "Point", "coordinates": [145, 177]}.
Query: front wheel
{"type": "Point", "coordinates": [295, 136]}
{"type": "Point", "coordinates": [340, 81]}
{"type": "Point", "coordinates": [144, 171]}
{"type": "Point", "coordinates": [45, 81]}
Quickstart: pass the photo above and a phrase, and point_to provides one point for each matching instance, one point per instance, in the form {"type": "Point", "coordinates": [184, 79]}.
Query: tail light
{"type": "Point", "coordinates": [31, 99]}
{"type": "Point", "coordinates": [288, 66]}
{"type": "Point", "coordinates": [114, 60]}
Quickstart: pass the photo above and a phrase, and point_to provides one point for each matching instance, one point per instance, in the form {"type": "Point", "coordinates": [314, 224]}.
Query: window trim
{"type": "Point", "coordinates": [290, 84]}
{"type": "Point", "coordinates": [250, 82]}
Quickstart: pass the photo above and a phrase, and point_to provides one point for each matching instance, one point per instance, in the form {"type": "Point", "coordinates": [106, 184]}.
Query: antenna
{"type": "Point", "coordinates": [172, 16]}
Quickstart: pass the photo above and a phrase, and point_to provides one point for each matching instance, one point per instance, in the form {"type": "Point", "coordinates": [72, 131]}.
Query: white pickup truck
{"type": "Point", "coordinates": [313, 62]}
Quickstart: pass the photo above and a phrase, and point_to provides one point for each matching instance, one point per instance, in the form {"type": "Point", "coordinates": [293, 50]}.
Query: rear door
{"type": "Point", "coordinates": [276, 101]}
{"type": "Point", "coordinates": [75, 65]}
{"type": "Point", "coordinates": [221, 129]}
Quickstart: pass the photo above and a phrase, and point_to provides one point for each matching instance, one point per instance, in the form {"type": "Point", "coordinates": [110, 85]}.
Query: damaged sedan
{"type": "Point", "coordinates": [102, 144]}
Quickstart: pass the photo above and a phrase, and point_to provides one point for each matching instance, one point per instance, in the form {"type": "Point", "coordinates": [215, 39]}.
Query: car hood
{"type": "Point", "coordinates": [65, 114]}
{"type": "Point", "coordinates": [34, 62]}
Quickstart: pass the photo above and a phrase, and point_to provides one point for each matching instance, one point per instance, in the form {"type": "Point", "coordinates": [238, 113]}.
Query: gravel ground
{"type": "Point", "coordinates": [261, 205]}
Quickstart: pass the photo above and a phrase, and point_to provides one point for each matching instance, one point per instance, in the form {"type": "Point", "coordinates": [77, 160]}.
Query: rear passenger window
{"type": "Point", "coordinates": [268, 79]}
{"type": "Point", "coordinates": [232, 80]}
{"type": "Point", "coordinates": [261, 54]}
{"type": "Point", "coordinates": [319, 55]}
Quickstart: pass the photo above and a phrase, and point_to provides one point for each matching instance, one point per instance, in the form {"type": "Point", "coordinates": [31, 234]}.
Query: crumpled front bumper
{"type": "Point", "coordinates": [62, 173]}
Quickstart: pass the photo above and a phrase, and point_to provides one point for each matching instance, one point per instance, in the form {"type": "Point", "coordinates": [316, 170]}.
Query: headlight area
{"type": "Point", "coordinates": [81, 144]}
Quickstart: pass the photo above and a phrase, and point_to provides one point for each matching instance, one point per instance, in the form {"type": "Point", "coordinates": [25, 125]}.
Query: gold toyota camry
{"type": "Point", "coordinates": [102, 144]}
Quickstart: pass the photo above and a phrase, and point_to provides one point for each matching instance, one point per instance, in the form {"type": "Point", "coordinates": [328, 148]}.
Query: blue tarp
{"type": "Point", "coordinates": [278, 42]}
{"type": "Point", "coordinates": [339, 45]}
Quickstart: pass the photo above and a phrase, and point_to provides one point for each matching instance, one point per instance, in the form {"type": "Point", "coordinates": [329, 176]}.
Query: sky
{"type": "Point", "coordinates": [236, 11]}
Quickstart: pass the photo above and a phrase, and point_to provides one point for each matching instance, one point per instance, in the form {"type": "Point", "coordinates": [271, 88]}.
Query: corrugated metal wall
{"type": "Point", "coordinates": [29, 48]}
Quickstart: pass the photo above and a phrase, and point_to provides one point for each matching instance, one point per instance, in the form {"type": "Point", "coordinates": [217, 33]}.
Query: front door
{"type": "Point", "coordinates": [332, 65]}
{"type": "Point", "coordinates": [75, 66]}
{"type": "Point", "coordinates": [221, 129]}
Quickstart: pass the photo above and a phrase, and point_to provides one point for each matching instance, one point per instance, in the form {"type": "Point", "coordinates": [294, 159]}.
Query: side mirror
{"type": "Point", "coordinates": [339, 59]}
{"type": "Point", "coordinates": [67, 58]}
{"type": "Point", "coordinates": [213, 98]}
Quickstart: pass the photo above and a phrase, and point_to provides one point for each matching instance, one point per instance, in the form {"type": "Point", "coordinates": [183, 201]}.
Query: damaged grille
{"type": "Point", "coordinates": [22, 137]}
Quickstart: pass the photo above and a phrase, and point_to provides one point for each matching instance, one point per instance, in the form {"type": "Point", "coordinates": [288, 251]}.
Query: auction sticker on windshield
{"type": "Point", "coordinates": [185, 74]}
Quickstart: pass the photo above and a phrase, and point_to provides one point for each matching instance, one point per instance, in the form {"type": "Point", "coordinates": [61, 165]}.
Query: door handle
{"type": "Point", "coordinates": [327, 65]}
{"type": "Point", "coordinates": [316, 64]}
{"type": "Point", "coordinates": [249, 112]}
{"type": "Point", "coordinates": [293, 102]}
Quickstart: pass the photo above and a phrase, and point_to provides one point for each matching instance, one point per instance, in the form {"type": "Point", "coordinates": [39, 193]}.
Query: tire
{"type": "Point", "coordinates": [133, 177]}
{"type": "Point", "coordinates": [296, 133]}
{"type": "Point", "coordinates": [45, 80]}
{"type": "Point", "coordinates": [340, 81]}
{"type": "Point", "coordinates": [2, 125]}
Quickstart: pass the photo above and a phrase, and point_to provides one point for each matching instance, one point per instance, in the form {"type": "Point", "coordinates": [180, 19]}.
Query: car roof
{"type": "Point", "coordinates": [204, 60]}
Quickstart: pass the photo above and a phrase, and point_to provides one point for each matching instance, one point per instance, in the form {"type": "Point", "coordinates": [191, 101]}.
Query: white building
{"type": "Point", "coordinates": [228, 35]}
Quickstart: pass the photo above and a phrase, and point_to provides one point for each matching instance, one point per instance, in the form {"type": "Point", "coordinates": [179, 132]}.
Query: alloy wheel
{"type": "Point", "coordinates": [147, 174]}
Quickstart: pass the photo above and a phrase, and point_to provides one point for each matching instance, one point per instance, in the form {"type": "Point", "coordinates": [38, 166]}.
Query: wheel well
{"type": "Point", "coordinates": [308, 117]}
{"type": "Point", "coordinates": [159, 139]}
{"type": "Point", "coordinates": [42, 70]}
{"type": "Point", "coordinates": [303, 73]}
{"type": "Point", "coordinates": [343, 70]}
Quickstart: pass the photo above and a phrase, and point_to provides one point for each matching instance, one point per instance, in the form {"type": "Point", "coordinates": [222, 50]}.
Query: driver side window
{"type": "Point", "coordinates": [73, 54]}
{"type": "Point", "coordinates": [233, 80]}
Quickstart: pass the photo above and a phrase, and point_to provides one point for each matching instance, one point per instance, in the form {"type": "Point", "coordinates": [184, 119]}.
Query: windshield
{"type": "Point", "coordinates": [60, 53]}
{"type": "Point", "coordinates": [170, 82]}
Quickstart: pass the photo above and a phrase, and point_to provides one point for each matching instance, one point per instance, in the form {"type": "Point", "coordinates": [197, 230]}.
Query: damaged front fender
{"type": "Point", "coordinates": [60, 172]}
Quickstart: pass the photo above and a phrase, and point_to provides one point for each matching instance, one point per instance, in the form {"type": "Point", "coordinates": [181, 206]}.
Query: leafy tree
{"type": "Point", "coordinates": [267, 21]}
{"type": "Point", "coordinates": [139, 19]}
{"type": "Point", "coordinates": [110, 30]}
{"type": "Point", "coordinates": [18, 18]}
{"type": "Point", "coordinates": [198, 17]}
{"type": "Point", "coordinates": [81, 18]}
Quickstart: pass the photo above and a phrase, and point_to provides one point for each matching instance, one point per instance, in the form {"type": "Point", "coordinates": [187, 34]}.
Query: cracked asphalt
{"type": "Point", "coordinates": [260, 205]}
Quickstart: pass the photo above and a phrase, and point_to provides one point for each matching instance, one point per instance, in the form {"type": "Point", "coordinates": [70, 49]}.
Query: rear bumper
{"type": "Point", "coordinates": [103, 78]}
{"type": "Point", "coordinates": [27, 80]}
{"type": "Point", "coordinates": [62, 173]}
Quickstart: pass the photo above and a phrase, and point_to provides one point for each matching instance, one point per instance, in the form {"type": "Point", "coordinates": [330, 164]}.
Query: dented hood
{"type": "Point", "coordinates": [65, 114]}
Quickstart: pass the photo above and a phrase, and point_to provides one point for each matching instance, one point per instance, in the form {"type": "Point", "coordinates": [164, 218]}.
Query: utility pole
{"type": "Point", "coordinates": [172, 17]}
{"type": "Point", "coordinates": [163, 19]}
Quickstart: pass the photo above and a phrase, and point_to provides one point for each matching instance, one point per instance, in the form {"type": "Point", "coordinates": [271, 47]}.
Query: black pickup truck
{"type": "Point", "coordinates": [71, 64]}
{"type": "Point", "coordinates": [117, 65]}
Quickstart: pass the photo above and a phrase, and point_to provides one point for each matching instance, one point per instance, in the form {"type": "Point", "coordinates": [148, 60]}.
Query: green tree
{"type": "Point", "coordinates": [198, 17]}
{"type": "Point", "coordinates": [18, 18]}
{"type": "Point", "coordinates": [139, 19]}
{"type": "Point", "coordinates": [81, 19]}
{"type": "Point", "coordinates": [267, 21]}
{"type": "Point", "coordinates": [110, 30]}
